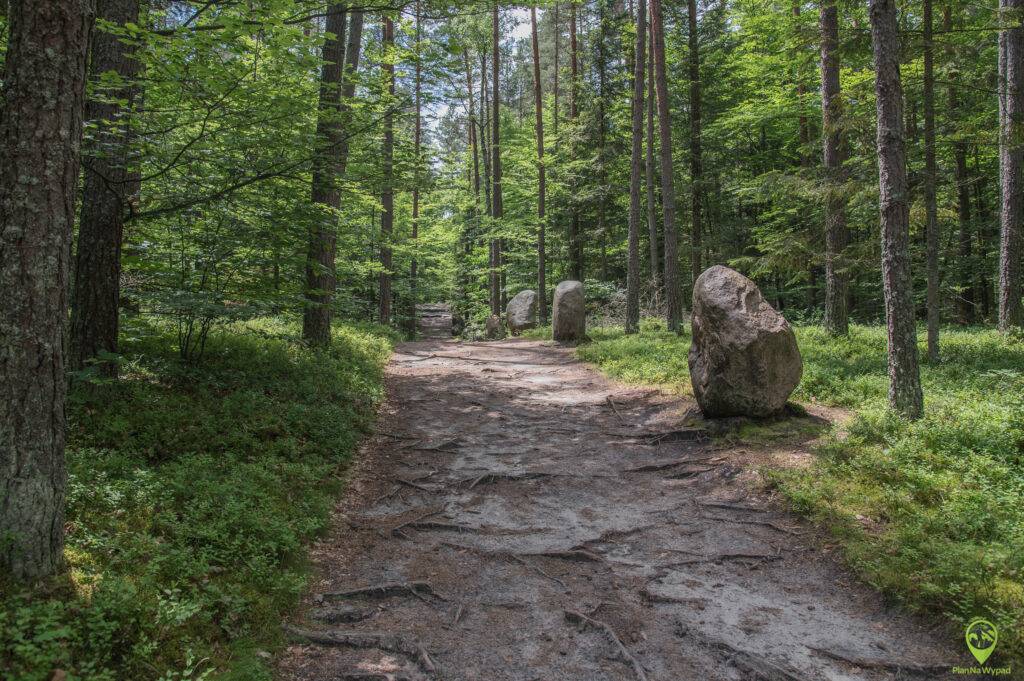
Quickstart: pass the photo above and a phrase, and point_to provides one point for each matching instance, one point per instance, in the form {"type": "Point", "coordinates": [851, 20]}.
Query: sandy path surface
{"type": "Point", "coordinates": [520, 517]}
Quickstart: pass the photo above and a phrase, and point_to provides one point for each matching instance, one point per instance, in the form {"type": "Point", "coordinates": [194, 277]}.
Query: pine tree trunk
{"type": "Point", "coordinates": [348, 88]}
{"type": "Point", "coordinates": [575, 238]}
{"type": "Point", "coordinates": [387, 198]}
{"type": "Point", "coordinates": [930, 173]}
{"type": "Point", "coordinates": [696, 165]}
{"type": "Point", "coordinates": [904, 377]}
{"type": "Point", "coordinates": [966, 299]}
{"type": "Point", "coordinates": [652, 209]}
{"type": "Point", "coordinates": [558, 66]}
{"type": "Point", "coordinates": [538, 106]}
{"type": "Point", "coordinates": [413, 268]}
{"type": "Point", "coordinates": [496, 202]}
{"type": "Point", "coordinates": [668, 192]}
{"type": "Point", "coordinates": [485, 153]}
{"type": "Point", "coordinates": [105, 196]}
{"type": "Point", "coordinates": [40, 137]}
{"type": "Point", "coordinates": [474, 180]}
{"type": "Point", "coordinates": [321, 276]}
{"type": "Point", "coordinates": [1011, 162]}
{"type": "Point", "coordinates": [833, 151]}
{"type": "Point", "coordinates": [633, 266]}
{"type": "Point", "coordinates": [801, 97]}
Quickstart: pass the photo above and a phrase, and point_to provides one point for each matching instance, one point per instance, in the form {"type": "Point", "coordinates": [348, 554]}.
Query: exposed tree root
{"type": "Point", "coordinates": [576, 554]}
{"type": "Point", "coordinates": [487, 478]}
{"type": "Point", "coordinates": [852, 658]}
{"type": "Point", "coordinates": [732, 506]}
{"type": "Point", "coordinates": [753, 664]}
{"type": "Point", "coordinates": [690, 473]}
{"type": "Point", "coordinates": [361, 639]}
{"type": "Point", "coordinates": [383, 590]}
{"type": "Point", "coordinates": [415, 485]}
{"type": "Point", "coordinates": [585, 622]}
{"type": "Point", "coordinates": [541, 572]}
{"type": "Point", "coordinates": [615, 409]}
{"type": "Point", "coordinates": [665, 465]}
{"type": "Point", "coordinates": [719, 557]}
{"type": "Point", "coordinates": [684, 435]}
{"type": "Point", "coordinates": [651, 597]}
{"type": "Point", "coordinates": [762, 523]}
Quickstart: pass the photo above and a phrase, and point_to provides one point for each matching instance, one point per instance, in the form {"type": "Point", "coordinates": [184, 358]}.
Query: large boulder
{"type": "Point", "coordinates": [493, 328]}
{"type": "Point", "coordinates": [569, 313]}
{"type": "Point", "coordinates": [744, 360]}
{"type": "Point", "coordinates": [521, 312]}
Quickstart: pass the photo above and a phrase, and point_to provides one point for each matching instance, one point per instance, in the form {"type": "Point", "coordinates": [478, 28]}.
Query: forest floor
{"type": "Point", "coordinates": [517, 516]}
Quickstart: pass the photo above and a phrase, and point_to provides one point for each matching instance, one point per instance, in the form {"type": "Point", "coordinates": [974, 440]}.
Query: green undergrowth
{"type": "Point", "coordinates": [929, 512]}
{"type": "Point", "coordinates": [192, 490]}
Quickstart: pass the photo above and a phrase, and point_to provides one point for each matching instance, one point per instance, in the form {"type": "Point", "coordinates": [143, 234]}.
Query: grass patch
{"type": "Point", "coordinates": [191, 493]}
{"type": "Point", "coordinates": [930, 512]}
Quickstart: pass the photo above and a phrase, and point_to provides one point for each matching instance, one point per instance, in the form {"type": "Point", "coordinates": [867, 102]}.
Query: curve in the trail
{"type": "Point", "coordinates": [519, 517]}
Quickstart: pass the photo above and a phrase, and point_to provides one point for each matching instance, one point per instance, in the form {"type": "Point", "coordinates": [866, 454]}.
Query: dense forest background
{"type": "Point", "coordinates": [220, 108]}
{"type": "Point", "coordinates": [202, 294]}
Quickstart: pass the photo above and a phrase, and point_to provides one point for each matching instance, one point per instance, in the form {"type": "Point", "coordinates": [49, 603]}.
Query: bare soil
{"type": "Point", "coordinates": [519, 517]}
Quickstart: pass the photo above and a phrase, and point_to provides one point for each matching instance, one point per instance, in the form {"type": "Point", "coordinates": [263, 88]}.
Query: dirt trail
{"type": "Point", "coordinates": [533, 521]}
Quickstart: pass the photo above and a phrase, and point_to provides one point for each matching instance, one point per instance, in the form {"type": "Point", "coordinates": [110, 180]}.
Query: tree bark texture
{"type": "Point", "coordinates": [633, 265]}
{"type": "Point", "coordinates": [106, 194]}
{"type": "Point", "coordinates": [1011, 162]}
{"type": "Point", "coordinates": [836, 319]}
{"type": "Point", "coordinates": [668, 192]}
{"type": "Point", "coordinates": [904, 377]}
{"type": "Point", "coordinates": [321, 275]}
{"type": "Point", "coordinates": [40, 137]}
{"type": "Point", "coordinates": [542, 306]}
{"type": "Point", "coordinates": [387, 199]}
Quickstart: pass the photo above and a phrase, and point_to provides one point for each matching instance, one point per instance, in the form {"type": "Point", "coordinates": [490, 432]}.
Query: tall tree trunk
{"type": "Point", "coordinates": [1011, 162]}
{"type": "Point", "coordinates": [40, 138]}
{"type": "Point", "coordinates": [474, 229]}
{"type": "Point", "coordinates": [633, 266]}
{"type": "Point", "coordinates": [602, 126]}
{"type": "Point", "coordinates": [485, 153]}
{"type": "Point", "coordinates": [558, 66]}
{"type": "Point", "coordinates": [833, 147]}
{"type": "Point", "coordinates": [538, 107]}
{"type": "Point", "coordinates": [321, 275]}
{"type": "Point", "coordinates": [930, 173]}
{"type": "Point", "coordinates": [966, 299]}
{"type": "Point", "coordinates": [348, 87]}
{"type": "Point", "coordinates": [801, 96]}
{"type": "Point", "coordinates": [904, 377]}
{"type": "Point", "coordinates": [472, 128]}
{"type": "Point", "coordinates": [575, 238]}
{"type": "Point", "coordinates": [696, 166]}
{"type": "Point", "coordinates": [387, 199]}
{"type": "Point", "coordinates": [105, 195]}
{"type": "Point", "coordinates": [496, 203]}
{"type": "Point", "coordinates": [652, 209]}
{"type": "Point", "coordinates": [668, 192]}
{"type": "Point", "coordinates": [413, 273]}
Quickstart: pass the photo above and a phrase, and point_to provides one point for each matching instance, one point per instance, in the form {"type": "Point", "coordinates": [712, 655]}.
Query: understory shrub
{"type": "Point", "coordinates": [191, 492]}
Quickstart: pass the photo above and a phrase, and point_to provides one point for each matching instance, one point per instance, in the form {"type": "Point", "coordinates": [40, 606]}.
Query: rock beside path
{"type": "Point", "coordinates": [569, 313]}
{"type": "Point", "coordinates": [744, 359]}
{"type": "Point", "coordinates": [521, 312]}
{"type": "Point", "coordinates": [493, 328]}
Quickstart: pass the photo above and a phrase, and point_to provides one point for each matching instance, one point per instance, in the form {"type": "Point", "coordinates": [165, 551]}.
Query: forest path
{"type": "Point", "coordinates": [530, 520]}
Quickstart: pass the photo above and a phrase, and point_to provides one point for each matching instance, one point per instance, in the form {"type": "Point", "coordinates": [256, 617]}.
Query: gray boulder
{"type": "Point", "coordinates": [521, 312]}
{"type": "Point", "coordinates": [744, 360]}
{"type": "Point", "coordinates": [493, 328]}
{"type": "Point", "coordinates": [569, 312]}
